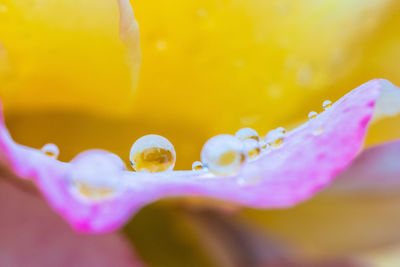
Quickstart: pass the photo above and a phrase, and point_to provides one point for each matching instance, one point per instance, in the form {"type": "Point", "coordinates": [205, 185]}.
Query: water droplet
{"type": "Point", "coordinates": [281, 129]}
{"type": "Point", "coordinates": [161, 45]}
{"type": "Point", "coordinates": [312, 115]}
{"type": "Point", "coordinates": [263, 145]}
{"type": "Point", "coordinates": [247, 133]}
{"type": "Point", "coordinates": [152, 153]}
{"type": "Point", "coordinates": [223, 155]}
{"type": "Point", "coordinates": [197, 166]}
{"type": "Point", "coordinates": [318, 131]}
{"type": "Point", "coordinates": [275, 138]}
{"type": "Point", "coordinates": [327, 104]}
{"type": "Point", "coordinates": [51, 150]}
{"type": "Point", "coordinates": [252, 148]}
{"type": "Point", "coordinates": [95, 174]}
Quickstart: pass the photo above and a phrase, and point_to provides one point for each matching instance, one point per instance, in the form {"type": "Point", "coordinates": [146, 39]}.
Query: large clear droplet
{"type": "Point", "coordinates": [247, 133]}
{"type": "Point", "coordinates": [152, 153]}
{"type": "Point", "coordinates": [95, 175]}
{"type": "Point", "coordinates": [252, 148]}
{"type": "Point", "coordinates": [51, 150]}
{"type": "Point", "coordinates": [223, 155]}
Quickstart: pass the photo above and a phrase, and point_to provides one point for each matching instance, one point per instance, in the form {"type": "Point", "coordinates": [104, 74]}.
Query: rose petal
{"type": "Point", "coordinates": [310, 157]}
{"type": "Point", "coordinates": [359, 212]}
{"type": "Point", "coordinates": [32, 235]}
{"type": "Point", "coordinates": [375, 171]}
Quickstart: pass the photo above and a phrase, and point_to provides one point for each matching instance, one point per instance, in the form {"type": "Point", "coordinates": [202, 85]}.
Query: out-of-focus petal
{"type": "Point", "coordinates": [358, 213]}
{"type": "Point", "coordinates": [310, 157]}
{"type": "Point", "coordinates": [375, 171]}
{"type": "Point", "coordinates": [250, 59]}
{"type": "Point", "coordinates": [32, 235]}
{"type": "Point", "coordinates": [70, 54]}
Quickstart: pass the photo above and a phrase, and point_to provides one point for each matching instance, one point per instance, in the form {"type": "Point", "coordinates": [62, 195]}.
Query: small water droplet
{"type": "Point", "coordinates": [327, 104]}
{"type": "Point", "coordinates": [263, 145]}
{"type": "Point", "coordinates": [197, 166]}
{"type": "Point", "coordinates": [51, 150]}
{"type": "Point", "coordinates": [275, 138]}
{"type": "Point", "coordinates": [247, 133]}
{"type": "Point", "coordinates": [312, 115]}
{"type": "Point", "coordinates": [251, 148]}
{"type": "Point", "coordinates": [223, 155]}
{"type": "Point", "coordinates": [152, 153]}
{"type": "Point", "coordinates": [281, 129]}
{"type": "Point", "coordinates": [161, 45]}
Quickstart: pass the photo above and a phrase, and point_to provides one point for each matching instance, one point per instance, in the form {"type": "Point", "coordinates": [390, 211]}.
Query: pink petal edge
{"type": "Point", "coordinates": [306, 163]}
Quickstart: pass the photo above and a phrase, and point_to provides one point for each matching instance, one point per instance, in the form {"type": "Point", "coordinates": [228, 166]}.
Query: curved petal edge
{"type": "Point", "coordinates": [96, 194]}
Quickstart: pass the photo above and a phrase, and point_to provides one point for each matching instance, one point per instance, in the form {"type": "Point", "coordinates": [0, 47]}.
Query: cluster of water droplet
{"type": "Point", "coordinates": [222, 154]}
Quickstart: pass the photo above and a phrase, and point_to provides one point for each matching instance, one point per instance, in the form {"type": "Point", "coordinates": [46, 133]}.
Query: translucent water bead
{"type": "Point", "coordinates": [327, 104]}
{"type": "Point", "coordinates": [247, 133]}
{"type": "Point", "coordinates": [223, 155]}
{"type": "Point", "coordinates": [252, 148]}
{"type": "Point", "coordinates": [152, 153]}
{"type": "Point", "coordinates": [312, 115]}
{"type": "Point", "coordinates": [51, 150]}
{"type": "Point", "coordinates": [197, 166]}
{"type": "Point", "coordinates": [275, 138]}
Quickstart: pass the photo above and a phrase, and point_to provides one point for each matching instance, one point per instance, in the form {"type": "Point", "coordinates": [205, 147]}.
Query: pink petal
{"type": "Point", "coordinates": [311, 156]}
{"type": "Point", "coordinates": [32, 235]}
{"type": "Point", "coordinates": [375, 171]}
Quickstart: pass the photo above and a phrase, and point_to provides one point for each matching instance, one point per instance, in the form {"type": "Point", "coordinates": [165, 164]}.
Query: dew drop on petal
{"type": "Point", "coordinates": [251, 148]}
{"type": "Point", "coordinates": [275, 138]}
{"type": "Point", "coordinates": [327, 104]}
{"type": "Point", "coordinates": [95, 174]}
{"type": "Point", "coordinates": [152, 153]}
{"type": "Point", "coordinates": [197, 166]}
{"type": "Point", "coordinates": [263, 145]}
{"type": "Point", "coordinates": [223, 155]}
{"type": "Point", "coordinates": [51, 150]}
{"type": "Point", "coordinates": [312, 115]}
{"type": "Point", "coordinates": [247, 133]}
{"type": "Point", "coordinates": [281, 129]}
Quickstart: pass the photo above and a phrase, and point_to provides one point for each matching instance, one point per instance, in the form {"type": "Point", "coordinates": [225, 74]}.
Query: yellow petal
{"type": "Point", "coordinates": [228, 64]}
{"type": "Point", "coordinates": [68, 55]}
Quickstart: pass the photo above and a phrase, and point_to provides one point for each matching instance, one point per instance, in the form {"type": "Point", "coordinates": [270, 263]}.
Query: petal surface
{"type": "Point", "coordinates": [32, 235]}
{"type": "Point", "coordinates": [310, 157]}
{"type": "Point", "coordinates": [357, 214]}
